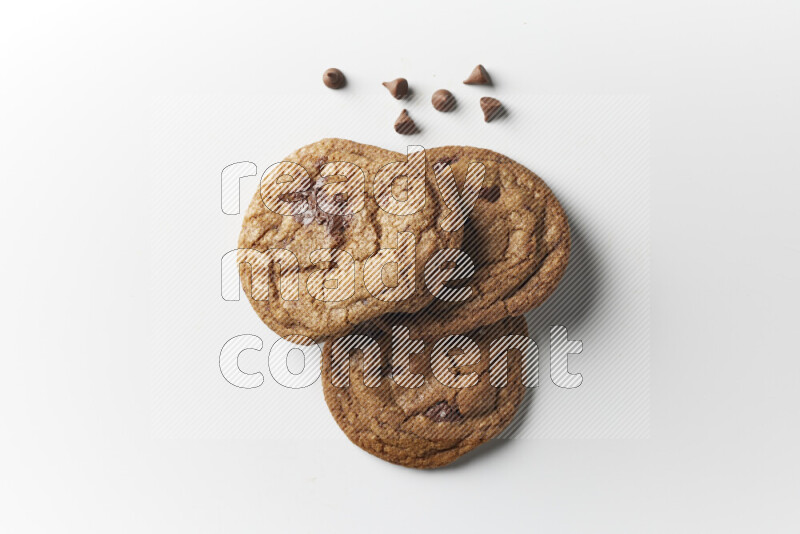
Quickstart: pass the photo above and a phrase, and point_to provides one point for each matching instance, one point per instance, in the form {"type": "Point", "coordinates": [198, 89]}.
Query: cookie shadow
{"type": "Point", "coordinates": [574, 302]}
{"type": "Point", "coordinates": [502, 440]}
{"type": "Point", "coordinates": [573, 305]}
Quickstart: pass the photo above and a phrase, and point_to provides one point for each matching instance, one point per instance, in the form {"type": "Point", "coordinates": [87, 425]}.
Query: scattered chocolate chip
{"type": "Point", "coordinates": [442, 412]}
{"type": "Point", "coordinates": [398, 87]}
{"type": "Point", "coordinates": [335, 226]}
{"type": "Point", "coordinates": [492, 194]}
{"type": "Point", "coordinates": [491, 107]}
{"type": "Point", "coordinates": [404, 125]}
{"type": "Point", "coordinates": [479, 76]}
{"type": "Point", "coordinates": [333, 78]}
{"type": "Point", "coordinates": [443, 100]}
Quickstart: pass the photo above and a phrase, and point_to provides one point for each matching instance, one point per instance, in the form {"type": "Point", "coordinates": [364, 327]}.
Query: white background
{"type": "Point", "coordinates": [78, 448]}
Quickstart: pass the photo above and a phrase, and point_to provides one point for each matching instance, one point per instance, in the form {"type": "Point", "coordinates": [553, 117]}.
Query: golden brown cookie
{"type": "Point", "coordinates": [517, 237]}
{"type": "Point", "coordinates": [432, 407]}
{"type": "Point", "coordinates": [311, 292]}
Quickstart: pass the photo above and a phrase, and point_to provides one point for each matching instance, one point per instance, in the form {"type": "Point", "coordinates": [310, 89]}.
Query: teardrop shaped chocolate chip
{"type": "Point", "coordinates": [397, 87]}
{"type": "Point", "coordinates": [478, 76]}
{"type": "Point", "coordinates": [404, 125]}
{"type": "Point", "coordinates": [333, 78]}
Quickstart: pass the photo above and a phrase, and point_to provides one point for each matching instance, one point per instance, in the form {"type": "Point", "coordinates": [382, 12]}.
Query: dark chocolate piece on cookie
{"type": "Point", "coordinates": [492, 194]}
{"type": "Point", "coordinates": [320, 163]}
{"type": "Point", "coordinates": [443, 162]}
{"type": "Point", "coordinates": [334, 224]}
{"type": "Point", "coordinates": [442, 412]}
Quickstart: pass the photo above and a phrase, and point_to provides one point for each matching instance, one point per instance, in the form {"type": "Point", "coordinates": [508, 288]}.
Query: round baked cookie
{"type": "Point", "coordinates": [371, 397]}
{"type": "Point", "coordinates": [516, 235]}
{"type": "Point", "coordinates": [321, 308]}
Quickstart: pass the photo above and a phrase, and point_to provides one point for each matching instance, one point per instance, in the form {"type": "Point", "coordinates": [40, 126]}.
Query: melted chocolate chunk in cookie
{"type": "Point", "coordinates": [335, 224]}
{"type": "Point", "coordinates": [321, 162]}
{"type": "Point", "coordinates": [442, 412]}
{"type": "Point", "coordinates": [492, 194]}
{"type": "Point", "coordinates": [444, 161]}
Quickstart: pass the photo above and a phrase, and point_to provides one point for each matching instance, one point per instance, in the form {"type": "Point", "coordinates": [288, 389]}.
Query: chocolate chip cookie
{"type": "Point", "coordinates": [315, 232]}
{"type": "Point", "coordinates": [516, 236]}
{"type": "Point", "coordinates": [418, 401]}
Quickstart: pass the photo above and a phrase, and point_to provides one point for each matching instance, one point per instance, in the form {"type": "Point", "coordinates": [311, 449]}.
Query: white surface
{"type": "Point", "coordinates": [78, 451]}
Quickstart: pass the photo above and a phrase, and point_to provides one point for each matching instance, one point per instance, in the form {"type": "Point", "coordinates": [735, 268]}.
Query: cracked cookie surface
{"type": "Point", "coordinates": [430, 425]}
{"type": "Point", "coordinates": [360, 234]}
{"type": "Point", "coordinates": [516, 235]}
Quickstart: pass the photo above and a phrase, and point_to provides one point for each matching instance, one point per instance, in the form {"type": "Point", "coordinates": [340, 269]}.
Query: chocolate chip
{"type": "Point", "coordinates": [479, 76]}
{"type": "Point", "coordinates": [442, 412]}
{"type": "Point", "coordinates": [333, 78]}
{"type": "Point", "coordinates": [398, 87]}
{"type": "Point", "coordinates": [443, 100]}
{"type": "Point", "coordinates": [492, 194]}
{"type": "Point", "coordinates": [404, 125]}
{"type": "Point", "coordinates": [491, 108]}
